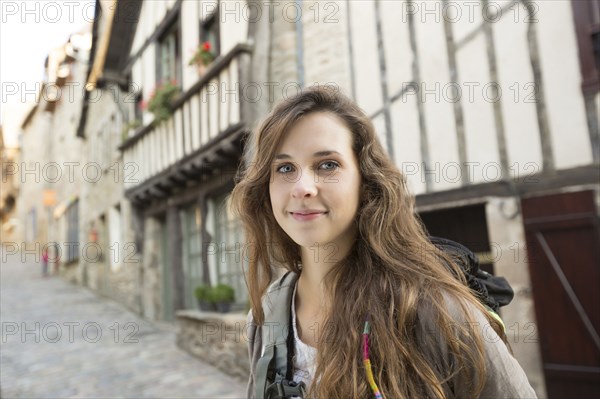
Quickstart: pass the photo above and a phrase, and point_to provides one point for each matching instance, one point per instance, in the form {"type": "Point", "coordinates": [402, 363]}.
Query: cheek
{"type": "Point", "coordinates": [354, 189]}
{"type": "Point", "coordinates": [355, 195]}
{"type": "Point", "coordinates": [275, 196]}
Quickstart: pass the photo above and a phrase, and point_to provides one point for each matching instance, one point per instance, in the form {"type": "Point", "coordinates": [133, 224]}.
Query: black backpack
{"type": "Point", "coordinates": [492, 291]}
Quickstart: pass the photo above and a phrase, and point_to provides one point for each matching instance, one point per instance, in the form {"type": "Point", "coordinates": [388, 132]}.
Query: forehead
{"type": "Point", "coordinates": [316, 131]}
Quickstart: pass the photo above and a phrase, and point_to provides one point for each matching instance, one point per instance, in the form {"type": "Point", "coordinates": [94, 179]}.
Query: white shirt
{"type": "Point", "coordinates": [304, 355]}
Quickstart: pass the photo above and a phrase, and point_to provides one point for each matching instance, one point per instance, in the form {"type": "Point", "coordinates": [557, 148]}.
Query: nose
{"type": "Point", "coordinates": [305, 185]}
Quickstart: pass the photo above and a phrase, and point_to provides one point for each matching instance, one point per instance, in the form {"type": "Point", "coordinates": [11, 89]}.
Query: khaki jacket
{"type": "Point", "coordinates": [505, 378]}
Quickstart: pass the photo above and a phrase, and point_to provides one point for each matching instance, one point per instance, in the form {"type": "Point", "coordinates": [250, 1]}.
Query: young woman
{"type": "Point", "coordinates": [374, 309]}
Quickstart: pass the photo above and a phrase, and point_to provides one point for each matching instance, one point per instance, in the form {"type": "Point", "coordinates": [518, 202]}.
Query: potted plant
{"type": "Point", "coordinates": [202, 57]}
{"type": "Point", "coordinates": [222, 295]}
{"type": "Point", "coordinates": [203, 295]}
{"type": "Point", "coordinates": [160, 100]}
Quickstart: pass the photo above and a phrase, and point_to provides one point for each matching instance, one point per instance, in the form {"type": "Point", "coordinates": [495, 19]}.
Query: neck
{"type": "Point", "coordinates": [317, 261]}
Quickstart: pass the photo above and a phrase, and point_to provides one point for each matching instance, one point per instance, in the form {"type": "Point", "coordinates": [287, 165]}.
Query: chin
{"type": "Point", "coordinates": [310, 242]}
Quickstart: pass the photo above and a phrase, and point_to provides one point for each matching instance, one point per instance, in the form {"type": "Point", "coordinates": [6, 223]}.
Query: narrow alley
{"type": "Point", "coordinates": [60, 340]}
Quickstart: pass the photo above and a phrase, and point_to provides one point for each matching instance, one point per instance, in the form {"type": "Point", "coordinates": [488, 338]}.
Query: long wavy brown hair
{"type": "Point", "coordinates": [393, 273]}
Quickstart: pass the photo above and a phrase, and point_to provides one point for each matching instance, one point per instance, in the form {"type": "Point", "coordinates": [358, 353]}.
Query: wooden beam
{"type": "Point", "coordinates": [156, 193]}
{"type": "Point", "coordinates": [539, 183]}
{"type": "Point", "coordinates": [177, 179]}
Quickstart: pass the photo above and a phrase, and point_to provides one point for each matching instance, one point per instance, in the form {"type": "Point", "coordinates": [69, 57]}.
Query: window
{"type": "Point", "coordinates": [209, 32]}
{"type": "Point", "coordinates": [117, 248]}
{"type": "Point", "coordinates": [72, 244]}
{"type": "Point", "coordinates": [229, 250]}
{"type": "Point", "coordinates": [138, 111]}
{"type": "Point", "coordinates": [31, 226]}
{"type": "Point", "coordinates": [134, 109]}
{"type": "Point", "coordinates": [191, 222]}
{"type": "Point", "coordinates": [109, 129]}
{"type": "Point", "coordinates": [586, 15]}
{"type": "Point", "coordinates": [169, 55]}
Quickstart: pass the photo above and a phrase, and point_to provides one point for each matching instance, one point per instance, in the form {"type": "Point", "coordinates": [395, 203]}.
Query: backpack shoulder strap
{"type": "Point", "coordinates": [272, 367]}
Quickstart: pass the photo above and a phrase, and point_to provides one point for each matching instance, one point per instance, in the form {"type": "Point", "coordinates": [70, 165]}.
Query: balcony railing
{"type": "Point", "coordinates": [201, 114]}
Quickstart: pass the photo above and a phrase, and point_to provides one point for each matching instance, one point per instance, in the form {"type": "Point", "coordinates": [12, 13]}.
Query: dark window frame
{"type": "Point", "coordinates": [72, 216]}
{"type": "Point", "coordinates": [172, 29]}
{"type": "Point", "coordinates": [586, 17]}
{"type": "Point", "coordinates": [211, 25]}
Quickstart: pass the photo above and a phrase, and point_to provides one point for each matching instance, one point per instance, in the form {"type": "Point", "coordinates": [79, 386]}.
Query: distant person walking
{"type": "Point", "coordinates": [45, 262]}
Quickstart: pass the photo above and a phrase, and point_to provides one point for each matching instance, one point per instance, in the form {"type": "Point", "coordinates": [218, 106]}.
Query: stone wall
{"type": "Point", "coordinates": [152, 273]}
{"type": "Point", "coordinates": [220, 339]}
{"type": "Point", "coordinates": [507, 237]}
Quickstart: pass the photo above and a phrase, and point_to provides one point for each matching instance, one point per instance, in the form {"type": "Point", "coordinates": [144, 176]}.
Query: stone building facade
{"type": "Point", "coordinates": [51, 168]}
{"type": "Point", "coordinates": [10, 227]}
{"type": "Point", "coordinates": [68, 152]}
{"type": "Point", "coordinates": [34, 215]}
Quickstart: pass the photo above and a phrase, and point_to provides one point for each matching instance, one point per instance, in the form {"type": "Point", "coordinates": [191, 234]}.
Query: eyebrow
{"type": "Point", "coordinates": [316, 154]}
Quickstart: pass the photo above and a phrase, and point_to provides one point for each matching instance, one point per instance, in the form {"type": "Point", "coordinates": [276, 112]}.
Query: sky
{"type": "Point", "coordinates": [28, 31]}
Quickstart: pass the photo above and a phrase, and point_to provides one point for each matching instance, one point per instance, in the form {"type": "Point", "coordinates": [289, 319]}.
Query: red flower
{"type": "Point", "coordinates": [203, 55]}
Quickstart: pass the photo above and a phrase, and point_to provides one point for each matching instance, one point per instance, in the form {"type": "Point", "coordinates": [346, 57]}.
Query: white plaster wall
{"type": "Point", "coordinates": [407, 144]}
{"type": "Point", "coordinates": [396, 44]}
{"type": "Point", "coordinates": [234, 17]}
{"type": "Point", "coordinates": [465, 15]}
{"type": "Point", "coordinates": [516, 81]}
{"type": "Point", "coordinates": [439, 112]}
{"type": "Point", "coordinates": [365, 54]}
{"type": "Point", "coordinates": [562, 79]}
{"type": "Point", "coordinates": [160, 10]}
{"type": "Point", "coordinates": [479, 123]}
{"type": "Point", "coordinates": [190, 34]}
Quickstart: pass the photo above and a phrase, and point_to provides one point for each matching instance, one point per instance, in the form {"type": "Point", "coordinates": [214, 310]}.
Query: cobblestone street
{"type": "Point", "coordinates": [60, 340]}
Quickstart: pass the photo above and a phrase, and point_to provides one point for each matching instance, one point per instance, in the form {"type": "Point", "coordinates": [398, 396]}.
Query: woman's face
{"type": "Point", "coordinates": [315, 182]}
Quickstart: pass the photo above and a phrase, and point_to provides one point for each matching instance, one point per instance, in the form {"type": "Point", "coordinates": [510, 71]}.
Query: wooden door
{"type": "Point", "coordinates": [563, 248]}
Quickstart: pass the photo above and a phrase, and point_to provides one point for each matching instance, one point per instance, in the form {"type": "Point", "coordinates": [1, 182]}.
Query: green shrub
{"type": "Point", "coordinates": [222, 293]}
{"type": "Point", "coordinates": [160, 101]}
{"type": "Point", "coordinates": [203, 292]}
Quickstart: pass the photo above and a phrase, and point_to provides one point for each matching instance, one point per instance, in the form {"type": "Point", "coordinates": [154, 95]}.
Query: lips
{"type": "Point", "coordinates": [307, 214]}
{"type": "Point", "coordinates": [307, 211]}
